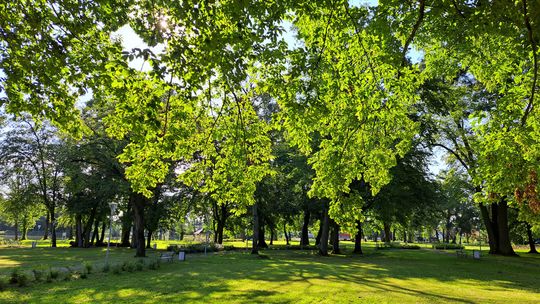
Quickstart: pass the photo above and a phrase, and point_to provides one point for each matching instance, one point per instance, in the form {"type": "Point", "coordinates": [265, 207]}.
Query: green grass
{"type": "Point", "coordinates": [380, 276]}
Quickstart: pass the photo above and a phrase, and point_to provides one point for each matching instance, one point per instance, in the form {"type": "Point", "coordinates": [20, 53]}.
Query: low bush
{"type": "Point", "coordinates": [18, 277]}
{"type": "Point", "coordinates": [83, 274]}
{"type": "Point", "coordinates": [39, 274]}
{"type": "Point", "coordinates": [139, 266]}
{"type": "Point", "coordinates": [106, 267]}
{"type": "Point", "coordinates": [88, 267]}
{"type": "Point", "coordinates": [444, 246]}
{"type": "Point", "coordinates": [154, 264]}
{"type": "Point", "coordinates": [199, 248]}
{"type": "Point", "coordinates": [117, 269]}
{"type": "Point", "coordinates": [292, 247]}
{"type": "Point", "coordinates": [396, 245]}
{"type": "Point", "coordinates": [128, 266]}
{"type": "Point", "coordinates": [53, 274]}
{"type": "Point", "coordinates": [3, 284]}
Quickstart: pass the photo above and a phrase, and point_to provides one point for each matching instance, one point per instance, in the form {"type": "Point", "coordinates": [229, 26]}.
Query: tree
{"type": "Point", "coordinates": [35, 148]}
{"type": "Point", "coordinates": [20, 207]}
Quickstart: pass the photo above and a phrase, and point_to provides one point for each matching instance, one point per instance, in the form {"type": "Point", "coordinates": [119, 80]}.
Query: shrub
{"type": "Point", "coordinates": [14, 276]}
{"type": "Point", "coordinates": [83, 275]}
{"type": "Point", "coordinates": [54, 274]}
{"type": "Point", "coordinates": [3, 284]}
{"type": "Point", "coordinates": [106, 267]}
{"type": "Point", "coordinates": [444, 246]}
{"type": "Point", "coordinates": [154, 264]}
{"type": "Point", "coordinates": [88, 267]}
{"type": "Point", "coordinates": [18, 277]}
{"type": "Point", "coordinates": [39, 274]}
{"type": "Point", "coordinates": [117, 269]}
{"type": "Point", "coordinates": [139, 266]}
{"type": "Point", "coordinates": [128, 266]}
{"type": "Point", "coordinates": [396, 245]}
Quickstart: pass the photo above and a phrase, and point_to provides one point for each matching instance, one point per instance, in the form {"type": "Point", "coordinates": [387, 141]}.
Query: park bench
{"type": "Point", "coordinates": [167, 256]}
{"type": "Point", "coordinates": [461, 253]}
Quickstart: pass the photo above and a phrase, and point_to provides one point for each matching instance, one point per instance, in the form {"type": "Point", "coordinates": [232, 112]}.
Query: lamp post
{"type": "Point", "coordinates": [113, 209]}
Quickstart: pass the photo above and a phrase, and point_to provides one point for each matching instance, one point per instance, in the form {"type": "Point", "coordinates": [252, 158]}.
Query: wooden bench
{"type": "Point", "coordinates": [167, 256]}
{"type": "Point", "coordinates": [461, 253]}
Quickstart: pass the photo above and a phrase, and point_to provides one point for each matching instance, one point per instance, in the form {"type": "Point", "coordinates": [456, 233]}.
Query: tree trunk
{"type": "Point", "coordinates": [491, 226]}
{"type": "Point", "coordinates": [285, 233]}
{"type": "Point", "coordinates": [95, 234]}
{"type": "Point", "coordinates": [148, 239]}
{"type": "Point", "coordinates": [335, 241]}
{"type": "Point", "coordinates": [262, 241]}
{"type": "Point", "coordinates": [304, 238]}
{"type": "Point", "coordinates": [386, 227]}
{"type": "Point", "coordinates": [24, 229]}
{"type": "Point", "coordinates": [46, 229]}
{"type": "Point", "coordinates": [272, 235]}
{"type": "Point", "coordinates": [505, 246]}
{"type": "Point", "coordinates": [323, 246]}
{"type": "Point", "coordinates": [254, 243]}
{"type": "Point", "coordinates": [532, 246]}
{"type": "Point", "coordinates": [358, 238]}
{"type": "Point", "coordinates": [319, 233]}
{"type": "Point", "coordinates": [138, 202]}
{"type": "Point", "coordinates": [53, 228]}
{"type": "Point", "coordinates": [78, 228]}
{"type": "Point", "coordinates": [102, 237]}
{"type": "Point", "coordinates": [222, 219]}
{"type": "Point", "coordinates": [404, 235]}
{"type": "Point", "coordinates": [88, 227]}
{"type": "Point", "coordinates": [127, 222]}
{"type": "Point", "coordinates": [16, 230]}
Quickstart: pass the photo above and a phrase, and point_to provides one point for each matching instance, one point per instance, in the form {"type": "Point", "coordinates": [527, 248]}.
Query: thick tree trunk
{"type": "Point", "coordinates": [394, 235]}
{"type": "Point", "coordinates": [335, 241]}
{"type": "Point", "coordinates": [138, 202]}
{"type": "Point", "coordinates": [530, 238]}
{"type": "Point", "coordinates": [387, 235]}
{"type": "Point", "coordinates": [16, 230]}
{"type": "Point", "coordinates": [262, 242]}
{"type": "Point", "coordinates": [505, 246]}
{"type": "Point", "coordinates": [286, 233]}
{"type": "Point", "coordinates": [358, 238]}
{"type": "Point", "coordinates": [304, 238]}
{"type": "Point", "coordinates": [133, 243]}
{"type": "Point", "coordinates": [323, 246]}
{"type": "Point", "coordinates": [404, 235]}
{"type": "Point", "coordinates": [491, 226]}
{"type": "Point", "coordinates": [255, 241]}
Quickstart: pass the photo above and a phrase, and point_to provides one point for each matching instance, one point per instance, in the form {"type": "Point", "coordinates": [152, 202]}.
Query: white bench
{"type": "Point", "coordinates": [168, 256]}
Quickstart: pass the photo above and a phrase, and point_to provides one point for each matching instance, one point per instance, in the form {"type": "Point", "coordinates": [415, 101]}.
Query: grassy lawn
{"type": "Point", "coordinates": [383, 276]}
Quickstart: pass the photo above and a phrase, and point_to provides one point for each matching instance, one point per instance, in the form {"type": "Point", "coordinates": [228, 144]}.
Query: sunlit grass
{"type": "Point", "coordinates": [380, 276]}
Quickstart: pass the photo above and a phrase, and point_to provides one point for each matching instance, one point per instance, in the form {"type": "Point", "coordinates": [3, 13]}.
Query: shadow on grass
{"type": "Point", "coordinates": [244, 278]}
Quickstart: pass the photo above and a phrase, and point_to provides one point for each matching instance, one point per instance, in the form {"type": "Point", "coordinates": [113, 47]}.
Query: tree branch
{"type": "Point", "coordinates": [530, 105]}
{"type": "Point", "coordinates": [413, 33]}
